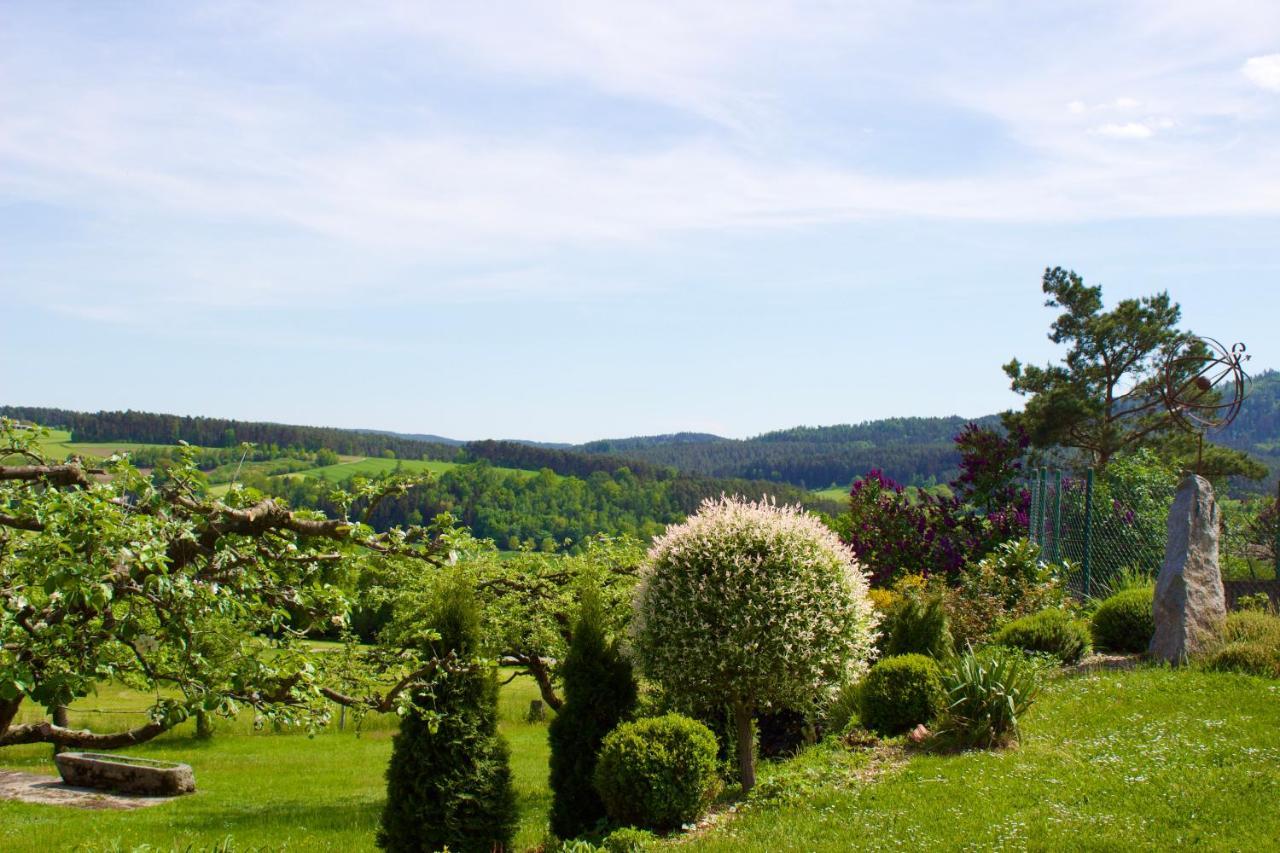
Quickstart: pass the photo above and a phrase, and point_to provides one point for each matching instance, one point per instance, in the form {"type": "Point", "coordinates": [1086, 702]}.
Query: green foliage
{"type": "Point", "coordinates": [1010, 582]}
{"type": "Point", "coordinates": [900, 693]}
{"type": "Point", "coordinates": [1251, 658]}
{"type": "Point", "coordinates": [449, 781]}
{"type": "Point", "coordinates": [1080, 403]}
{"type": "Point", "coordinates": [1055, 632]}
{"type": "Point", "coordinates": [599, 693]}
{"type": "Point", "coordinates": [1125, 621]}
{"type": "Point", "coordinates": [842, 711]}
{"type": "Point", "coordinates": [628, 839]}
{"type": "Point", "coordinates": [1258, 602]}
{"type": "Point", "coordinates": [1252, 626]}
{"type": "Point", "coordinates": [190, 598]}
{"type": "Point", "coordinates": [986, 694]}
{"type": "Point", "coordinates": [749, 605]}
{"type": "Point", "coordinates": [658, 773]}
{"type": "Point", "coordinates": [916, 623]}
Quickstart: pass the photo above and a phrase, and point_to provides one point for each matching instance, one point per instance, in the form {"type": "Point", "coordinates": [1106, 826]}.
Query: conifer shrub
{"type": "Point", "coordinates": [752, 606]}
{"type": "Point", "coordinates": [916, 623]}
{"type": "Point", "coordinates": [449, 780]}
{"type": "Point", "coordinates": [599, 693]}
{"type": "Point", "coordinates": [900, 693]}
{"type": "Point", "coordinates": [1052, 632]}
{"type": "Point", "coordinates": [658, 773]}
{"type": "Point", "coordinates": [1125, 622]}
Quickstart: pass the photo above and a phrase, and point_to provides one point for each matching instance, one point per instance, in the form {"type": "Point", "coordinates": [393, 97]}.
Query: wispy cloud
{"type": "Point", "coordinates": [1264, 71]}
{"type": "Point", "coordinates": [379, 138]}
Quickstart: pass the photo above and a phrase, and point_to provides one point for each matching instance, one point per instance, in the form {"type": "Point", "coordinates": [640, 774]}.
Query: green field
{"type": "Point", "coordinates": [1142, 760]}
{"type": "Point", "coordinates": [261, 789]}
{"type": "Point", "coordinates": [58, 445]}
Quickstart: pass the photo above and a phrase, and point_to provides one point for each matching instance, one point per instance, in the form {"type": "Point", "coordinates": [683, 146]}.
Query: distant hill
{"type": "Point", "coordinates": [915, 451]}
{"type": "Point", "coordinates": [1256, 429]}
{"type": "Point", "coordinates": [415, 436]}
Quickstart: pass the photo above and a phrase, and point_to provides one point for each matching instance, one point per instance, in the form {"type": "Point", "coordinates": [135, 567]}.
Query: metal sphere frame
{"type": "Point", "coordinates": [1204, 386]}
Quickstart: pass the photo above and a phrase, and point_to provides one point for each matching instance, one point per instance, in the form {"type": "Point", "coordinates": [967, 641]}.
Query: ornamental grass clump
{"type": "Point", "coordinates": [753, 606]}
{"type": "Point", "coordinates": [987, 694]}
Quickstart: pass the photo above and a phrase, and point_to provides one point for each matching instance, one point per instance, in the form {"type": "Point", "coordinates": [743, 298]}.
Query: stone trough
{"type": "Point", "coordinates": [122, 774]}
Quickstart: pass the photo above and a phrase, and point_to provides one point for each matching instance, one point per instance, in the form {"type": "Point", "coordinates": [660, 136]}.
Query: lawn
{"type": "Point", "coordinates": [1150, 759]}
{"type": "Point", "coordinates": [260, 789]}
{"type": "Point", "coordinates": [1147, 759]}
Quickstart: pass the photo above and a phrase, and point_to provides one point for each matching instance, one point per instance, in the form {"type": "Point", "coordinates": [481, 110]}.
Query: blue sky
{"type": "Point", "coordinates": [566, 221]}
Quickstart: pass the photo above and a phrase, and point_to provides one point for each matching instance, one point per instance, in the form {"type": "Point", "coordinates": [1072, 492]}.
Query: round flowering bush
{"type": "Point", "coordinates": [752, 605]}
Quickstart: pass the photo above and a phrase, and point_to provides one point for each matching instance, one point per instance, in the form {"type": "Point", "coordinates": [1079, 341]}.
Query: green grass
{"type": "Point", "coordinates": [841, 493]}
{"type": "Point", "coordinates": [262, 789]}
{"type": "Point", "coordinates": [373, 467]}
{"type": "Point", "coordinates": [58, 446]}
{"type": "Point", "coordinates": [1150, 759]}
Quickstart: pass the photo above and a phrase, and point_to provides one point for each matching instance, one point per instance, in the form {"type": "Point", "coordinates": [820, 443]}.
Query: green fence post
{"type": "Point", "coordinates": [1088, 529]}
{"type": "Point", "coordinates": [1057, 517]}
{"type": "Point", "coordinates": [1040, 510]}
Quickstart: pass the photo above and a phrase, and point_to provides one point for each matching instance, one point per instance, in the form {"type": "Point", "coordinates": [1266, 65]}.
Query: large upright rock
{"type": "Point", "coordinates": [1189, 603]}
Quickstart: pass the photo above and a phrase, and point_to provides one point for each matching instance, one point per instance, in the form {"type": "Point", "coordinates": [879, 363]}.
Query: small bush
{"type": "Point", "coordinates": [628, 839]}
{"type": "Point", "coordinates": [1124, 622]}
{"type": "Point", "coordinates": [916, 623]}
{"type": "Point", "coordinates": [657, 773]}
{"type": "Point", "coordinates": [987, 693]}
{"type": "Point", "coordinates": [843, 709]}
{"type": "Point", "coordinates": [1252, 626]}
{"type": "Point", "coordinates": [1258, 602]}
{"type": "Point", "coordinates": [1250, 658]}
{"type": "Point", "coordinates": [899, 693]}
{"type": "Point", "coordinates": [1053, 632]}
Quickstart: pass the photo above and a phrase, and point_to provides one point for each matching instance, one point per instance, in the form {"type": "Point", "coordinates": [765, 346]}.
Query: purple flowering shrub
{"type": "Point", "coordinates": [894, 534]}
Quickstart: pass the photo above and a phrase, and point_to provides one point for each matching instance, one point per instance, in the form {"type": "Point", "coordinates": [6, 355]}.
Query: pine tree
{"type": "Point", "coordinates": [449, 781]}
{"type": "Point", "coordinates": [599, 693]}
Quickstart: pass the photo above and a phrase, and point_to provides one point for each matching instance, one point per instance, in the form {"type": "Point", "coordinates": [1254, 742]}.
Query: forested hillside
{"type": "Point", "coordinates": [151, 428]}
{"type": "Point", "coordinates": [914, 451]}
{"type": "Point", "coordinates": [1257, 428]}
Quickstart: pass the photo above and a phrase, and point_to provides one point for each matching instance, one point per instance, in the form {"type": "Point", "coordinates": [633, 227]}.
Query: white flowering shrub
{"type": "Point", "coordinates": [752, 605]}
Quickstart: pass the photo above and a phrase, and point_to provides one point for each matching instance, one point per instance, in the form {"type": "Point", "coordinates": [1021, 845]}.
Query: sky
{"type": "Point", "coordinates": [567, 220]}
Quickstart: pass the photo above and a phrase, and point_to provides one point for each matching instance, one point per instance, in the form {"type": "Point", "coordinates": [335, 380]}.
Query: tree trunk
{"type": "Point", "coordinates": [8, 712]}
{"type": "Point", "coordinates": [746, 745]}
{"type": "Point", "coordinates": [538, 669]}
{"type": "Point", "coordinates": [204, 724]}
{"type": "Point", "coordinates": [60, 720]}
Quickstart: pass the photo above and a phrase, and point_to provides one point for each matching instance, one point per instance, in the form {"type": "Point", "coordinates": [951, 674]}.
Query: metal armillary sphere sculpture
{"type": "Point", "coordinates": [1204, 386]}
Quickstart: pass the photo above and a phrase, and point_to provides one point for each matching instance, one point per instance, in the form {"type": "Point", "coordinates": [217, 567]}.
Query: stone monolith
{"type": "Point", "coordinates": [1190, 606]}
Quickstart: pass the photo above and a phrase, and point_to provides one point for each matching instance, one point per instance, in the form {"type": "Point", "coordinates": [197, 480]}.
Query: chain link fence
{"type": "Point", "coordinates": [1097, 528]}
{"type": "Point", "coordinates": [1101, 529]}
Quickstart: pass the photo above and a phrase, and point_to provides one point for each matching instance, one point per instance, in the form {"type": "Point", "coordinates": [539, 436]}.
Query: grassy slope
{"type": "Point", "coordinates": [1141, 760]}
{"type": "Point", "coordinates": [283, 790]}
{"type": "Point", "coordinates": [1144, 760]}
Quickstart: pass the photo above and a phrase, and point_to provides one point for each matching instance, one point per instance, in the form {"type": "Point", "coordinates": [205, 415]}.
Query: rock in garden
{"type": "Point", "coordinates": [1190, 606]}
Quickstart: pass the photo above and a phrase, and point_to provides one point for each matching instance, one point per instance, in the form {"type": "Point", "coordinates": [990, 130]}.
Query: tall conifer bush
{"type": "Point", "coordinates": [449, 781]}
{"type": "Point", "coordinates": [599, 693]}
